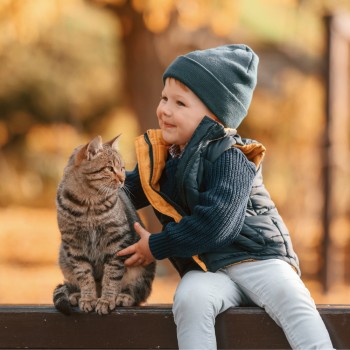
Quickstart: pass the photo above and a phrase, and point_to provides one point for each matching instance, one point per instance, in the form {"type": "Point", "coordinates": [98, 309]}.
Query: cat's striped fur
{"type": "Point", "coordinates": [95, 218]}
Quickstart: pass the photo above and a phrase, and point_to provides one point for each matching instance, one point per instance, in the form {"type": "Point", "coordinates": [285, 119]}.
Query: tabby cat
{"type": "Point", "coordinates": [96, 217]}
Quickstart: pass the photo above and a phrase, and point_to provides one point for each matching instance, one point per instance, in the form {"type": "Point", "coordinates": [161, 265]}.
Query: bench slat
{"type": "Point", "coordinates": [148, 327]}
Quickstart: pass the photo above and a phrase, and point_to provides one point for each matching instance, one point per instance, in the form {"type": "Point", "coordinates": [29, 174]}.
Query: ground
{"type": "Point", "coordinates": [29, 241]}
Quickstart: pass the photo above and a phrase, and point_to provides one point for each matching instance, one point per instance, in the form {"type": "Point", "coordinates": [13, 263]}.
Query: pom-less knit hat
{"type": "Point", "coordinates": [224, 79]}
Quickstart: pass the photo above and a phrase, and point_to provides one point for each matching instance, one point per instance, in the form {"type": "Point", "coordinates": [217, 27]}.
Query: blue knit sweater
{"type": "Point", "coordinates": [219, 215]}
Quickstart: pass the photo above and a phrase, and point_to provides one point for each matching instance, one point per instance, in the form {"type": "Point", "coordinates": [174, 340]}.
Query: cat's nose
{"type": "Point", "coordinates": [120, 177]}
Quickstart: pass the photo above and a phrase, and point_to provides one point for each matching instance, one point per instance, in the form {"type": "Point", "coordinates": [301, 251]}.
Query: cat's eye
{"type": "Point", "coordinates": [110, 168]}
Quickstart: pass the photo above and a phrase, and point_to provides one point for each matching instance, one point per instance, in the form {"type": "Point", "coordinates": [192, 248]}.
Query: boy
{"type": "Point", "coordinates": [205, 185]}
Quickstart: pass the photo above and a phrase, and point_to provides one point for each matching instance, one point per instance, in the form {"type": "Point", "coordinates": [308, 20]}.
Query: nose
{"type": "Point", "coordinates": [164, 110]}
{"type": "Point", "coordinates": [120, 176]}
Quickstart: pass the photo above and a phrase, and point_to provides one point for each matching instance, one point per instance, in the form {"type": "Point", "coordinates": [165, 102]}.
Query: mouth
{"type": "Point", "coordinates": [167, 125]}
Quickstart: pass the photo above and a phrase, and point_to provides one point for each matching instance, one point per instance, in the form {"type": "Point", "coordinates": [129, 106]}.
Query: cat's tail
{"type": "Point", "coordinates": [61, 298]}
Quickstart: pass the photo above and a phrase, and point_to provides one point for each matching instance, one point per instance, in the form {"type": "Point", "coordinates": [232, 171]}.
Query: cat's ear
{"type": "Point", "coordinates": [89, 150]}
{"type": "Point", "coordinates": [114, 143]}
{"type": "Point", "coordinates": [94, 147]}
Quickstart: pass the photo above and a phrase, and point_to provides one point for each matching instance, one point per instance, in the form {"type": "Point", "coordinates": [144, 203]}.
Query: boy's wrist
{"type": "Point", "coordinates": [158, 245]}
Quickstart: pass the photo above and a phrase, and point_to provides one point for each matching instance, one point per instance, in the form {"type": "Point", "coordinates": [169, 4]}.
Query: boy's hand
{"type": "Point", "coordinates": [140, 253]}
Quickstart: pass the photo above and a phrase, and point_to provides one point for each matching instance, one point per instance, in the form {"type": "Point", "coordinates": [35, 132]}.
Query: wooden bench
{"type": "Point", "coordinates": [149, 327]}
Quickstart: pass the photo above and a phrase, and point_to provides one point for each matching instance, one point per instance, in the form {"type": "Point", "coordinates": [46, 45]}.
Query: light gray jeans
{"type": "Point", "coordinates": [270, 284]}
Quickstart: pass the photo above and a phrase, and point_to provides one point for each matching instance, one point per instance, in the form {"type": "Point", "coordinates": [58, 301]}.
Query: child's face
{"type": "Point", "coordinates": [179, 112]}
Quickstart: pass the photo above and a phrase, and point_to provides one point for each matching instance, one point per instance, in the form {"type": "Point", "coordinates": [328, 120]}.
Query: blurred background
{"type": "Point", "coordinates": [73, 69]}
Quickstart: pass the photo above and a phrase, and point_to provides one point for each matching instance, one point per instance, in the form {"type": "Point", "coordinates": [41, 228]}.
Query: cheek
{"type": "Point", "coordinates": [158, 114]}
{"type": "Point", "coordinates": [192, 125]}
{"type": "Point", "coordinates": [187, 131]}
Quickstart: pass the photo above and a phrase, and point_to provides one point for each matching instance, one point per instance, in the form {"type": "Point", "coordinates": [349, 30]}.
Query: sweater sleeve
{"type": "Point", "coordinates": [219, 215]}
{"type": "Point", "coordinates": [134, 189]}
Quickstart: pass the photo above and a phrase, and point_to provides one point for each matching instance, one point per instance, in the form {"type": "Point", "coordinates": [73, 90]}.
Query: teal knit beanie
{"type": "Point", "coordinates": [224, 79]}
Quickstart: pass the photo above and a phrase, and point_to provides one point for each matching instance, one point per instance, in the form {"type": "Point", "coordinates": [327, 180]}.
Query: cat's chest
{"type": "Point", "coordinates": [95, 237]}
{"type": "Point", "coordinates": [94, 244]}
{"type": "Point", "coordinates": [97, 240]}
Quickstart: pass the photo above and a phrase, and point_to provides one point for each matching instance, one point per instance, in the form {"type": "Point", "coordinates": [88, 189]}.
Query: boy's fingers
{"type": "Point", "coordinates": [133, 261]}
{"type": "Point", "coordinates": [127, 251]}
{"type": "Point", "coordinates": [138, 228]}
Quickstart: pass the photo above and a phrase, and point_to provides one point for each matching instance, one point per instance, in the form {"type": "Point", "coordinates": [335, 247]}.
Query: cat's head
{"type": "Point", "coordinates": [98, 164]}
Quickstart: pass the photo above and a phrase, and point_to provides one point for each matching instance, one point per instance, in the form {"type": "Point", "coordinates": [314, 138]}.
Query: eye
{"type": "Point", "coordinates": [110, 168]}
{"type": "Point", "coordinates": [163, 98]}
{"type": "Point", "coordinates": [180, 103]}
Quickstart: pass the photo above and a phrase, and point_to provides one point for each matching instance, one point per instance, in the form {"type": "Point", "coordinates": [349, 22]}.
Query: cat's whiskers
{"type": "Point", "coordinates": [104, 190]}
{"type": "Point", "coordinates": [127, 190]}
{"type": "Point", "coordinates": [107, 189]}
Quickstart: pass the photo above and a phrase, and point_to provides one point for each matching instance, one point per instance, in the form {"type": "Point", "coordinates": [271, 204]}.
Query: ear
{"type": "Point", "coordinates": [94, 147]}
{"type": "Point", "coordinates": [89, 150]}
{"type": "Point", "coordinates": [114, 143]}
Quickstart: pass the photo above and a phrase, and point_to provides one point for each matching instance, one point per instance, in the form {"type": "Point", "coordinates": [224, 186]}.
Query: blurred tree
{"type": "Point", "coordinates": [40, 46]}
{"type": "Point", "coordinates": [59, 78]}
{"type": "Point", "coordinates": [149, 42]}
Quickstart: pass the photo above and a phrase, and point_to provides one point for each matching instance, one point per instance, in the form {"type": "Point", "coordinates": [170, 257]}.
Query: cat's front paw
{"type": "Point", "coordinates": [87, 304]}
{"type": "Point", "coordinates": [104, 306]}
{"type": "Point", "coordinates": [125, 300]}
{"type": "Point", "coordinates": [74, 298]}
